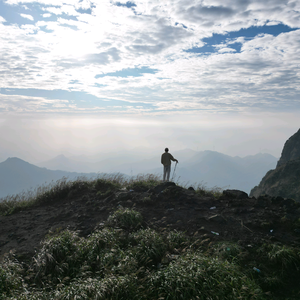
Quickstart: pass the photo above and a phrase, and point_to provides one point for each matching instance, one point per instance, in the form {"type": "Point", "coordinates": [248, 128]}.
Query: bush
{"type": "Point", "coordinates": [177, 240]}
{"type": "Point", "coordinates": [60, 256]}
{"type": "Point", "coordinates": [228, 251]}
{"type": "Point", "coordinates": [195, 276]}
{"type": "Point", "coordinates": [10, 278]}
{"type": "Point", "coordinates": [102, 250]}
{"type": "Point", "coordinates": [148, 247]}
{"type": "Point", "coordinates": [112, 287]}
{"type": "Point", "coordinates": [125, 218]}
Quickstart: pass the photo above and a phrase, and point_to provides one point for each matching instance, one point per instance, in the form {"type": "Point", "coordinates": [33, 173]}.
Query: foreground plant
{"type": "Point", "coordinates": [125, 218]}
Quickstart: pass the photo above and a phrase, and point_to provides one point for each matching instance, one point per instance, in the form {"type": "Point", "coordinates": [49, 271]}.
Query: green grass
{"type": "Point", "coordinates": [114, 263]}
{"type": "Point", "coordinates": [194, 276]}
{"type": "Point", "coordinates": [125, 218]}
{"type": "Point", "coordinates": [126, 260]}
{"type": "Point", "coordinates": [10, 277]}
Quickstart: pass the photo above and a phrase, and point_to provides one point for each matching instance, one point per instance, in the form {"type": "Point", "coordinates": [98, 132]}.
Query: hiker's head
{"type": "Point", "coordinates": [166, 150]}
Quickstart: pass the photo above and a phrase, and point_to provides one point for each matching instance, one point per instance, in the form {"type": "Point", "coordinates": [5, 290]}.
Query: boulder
{"type": "Point", "coordinates": [237, 194]}
{"type": "Point", "coordinates": [161, 187]}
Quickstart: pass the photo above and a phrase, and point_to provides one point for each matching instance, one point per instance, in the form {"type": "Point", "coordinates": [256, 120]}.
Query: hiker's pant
{"type": "Point", "coordinates": [167, 171]}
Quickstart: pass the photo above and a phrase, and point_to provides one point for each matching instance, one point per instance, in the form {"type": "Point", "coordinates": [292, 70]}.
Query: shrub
{"type": "Point", "coordinates": [102, 250]}
{"type": "Point", "coordinates": [112, 287]}
{"type": "Point", "coordinates": [228, 251]}
{"type": "Point", "coordinates": [10, 277]}
{"type": "Point", "coordinates": [195, 276]}
{"type": "Point", "coordinates": [60, 256]}
{"type": "Point", "coordinates": [148, 247]}
{"type": "Point", "coordinates": [176, 240]}
{"type": "Point", "coordinates": [286, 258]}
{"type": "Point", "coordinates": [125, 218]}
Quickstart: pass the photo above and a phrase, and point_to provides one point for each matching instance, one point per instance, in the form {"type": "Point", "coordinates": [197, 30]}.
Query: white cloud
{"type": "Point", "coordinates": [68, 53]}
{"type": "Point", "coordinates": [29, 17]}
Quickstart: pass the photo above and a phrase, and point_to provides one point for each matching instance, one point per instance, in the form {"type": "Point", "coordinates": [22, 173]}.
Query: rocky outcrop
{"type": "Point", "coordinates": [284, 181]}
{"type": "Point", "coordinates": [291, 149]}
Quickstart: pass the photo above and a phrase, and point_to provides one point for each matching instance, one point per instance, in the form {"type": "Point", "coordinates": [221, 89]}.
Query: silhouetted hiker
{"type": "Point", "coordinates": [166, 161]}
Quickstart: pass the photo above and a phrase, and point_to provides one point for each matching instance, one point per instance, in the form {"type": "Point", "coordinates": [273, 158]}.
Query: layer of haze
{"type": "Point", "coordinates": [39, 139]}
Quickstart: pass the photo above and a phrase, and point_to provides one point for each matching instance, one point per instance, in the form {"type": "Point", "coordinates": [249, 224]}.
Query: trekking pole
{"type": "Point", "coordinates": [174, 171]}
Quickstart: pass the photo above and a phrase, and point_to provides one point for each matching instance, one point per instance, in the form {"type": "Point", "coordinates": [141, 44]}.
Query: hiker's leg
{"type": "Point", "coordinates": [165, 173]}
{"type": "Point", "coordinates": [168, 172]}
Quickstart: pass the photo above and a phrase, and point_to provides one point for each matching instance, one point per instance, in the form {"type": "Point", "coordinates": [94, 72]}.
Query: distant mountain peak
{"type": "Point", "coordinates": [15, 160]}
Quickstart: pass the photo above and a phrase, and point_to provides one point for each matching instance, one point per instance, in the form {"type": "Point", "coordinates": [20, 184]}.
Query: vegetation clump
{"type": "Point", "coordinates": [127, 257]}
{"type": "Point", "coordinates": [107, 265]}
{"type": "Point", "coordinates": [125, 218]}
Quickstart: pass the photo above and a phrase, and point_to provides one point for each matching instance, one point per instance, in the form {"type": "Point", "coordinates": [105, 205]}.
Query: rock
{"type": "Point", "coordinates": [237, 194]}
{"type": "Point", "coordinates": [161, 187]}
{"type": "Point", "coordinates": [277, 200]}
{"type": "Point", "coordinates": [288, 204]}
{"type": "Point", "coordinates": [291, 149]}
{"type": "Point", "coordinates": [263, 201]}
{"type": "Point", "coordinates": [284, 181]}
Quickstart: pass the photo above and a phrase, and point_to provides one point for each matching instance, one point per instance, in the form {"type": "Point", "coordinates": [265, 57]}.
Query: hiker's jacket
{"type": "Point", "coordinates": [166, 159]}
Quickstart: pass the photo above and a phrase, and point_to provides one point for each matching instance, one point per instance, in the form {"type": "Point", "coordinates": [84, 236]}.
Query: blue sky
{"type": "Point", "coordinates": [188, 66]}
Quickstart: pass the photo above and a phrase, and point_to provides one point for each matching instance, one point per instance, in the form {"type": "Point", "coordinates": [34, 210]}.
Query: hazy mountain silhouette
{"type": "Point", "coordinates": [17, 175]}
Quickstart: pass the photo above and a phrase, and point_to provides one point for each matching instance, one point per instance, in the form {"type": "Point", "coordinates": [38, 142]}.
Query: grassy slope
{"type": "Point", "coordinates": [123, 259]}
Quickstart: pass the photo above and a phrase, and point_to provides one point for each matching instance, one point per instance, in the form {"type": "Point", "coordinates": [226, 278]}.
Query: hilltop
{"type": "Point", "coordinates": [213, 168]}
{"type": "Point", "coordinates": [210, 220]}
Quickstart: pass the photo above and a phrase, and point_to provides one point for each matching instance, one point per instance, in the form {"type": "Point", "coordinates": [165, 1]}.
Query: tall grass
{"type": "Point", "coordinates": [114, 263]}
{"type": "Point", "coordinates": [10, 277]}
{"type": "Point", "coordinates": [125, 218]}
{"type": "Point", "coordinates": [42, 195]}
{"type": "Point", "coordinates": [54, 191]}
{"type": "Point", "coordinates": [194, 276]}
{"type": "Point", "coordinates": [124, 260]}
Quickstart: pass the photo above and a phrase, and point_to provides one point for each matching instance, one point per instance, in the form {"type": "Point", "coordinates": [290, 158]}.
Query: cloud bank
{"type": "Point", "coordinates": [213, 56]}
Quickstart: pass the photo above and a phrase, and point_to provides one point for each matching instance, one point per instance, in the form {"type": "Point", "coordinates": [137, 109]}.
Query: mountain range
{"type": "Point", "coordinates": [208, 168]}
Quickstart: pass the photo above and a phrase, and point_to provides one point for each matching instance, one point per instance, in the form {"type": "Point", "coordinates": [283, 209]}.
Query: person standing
{"type": "Point", "coordinates": [166, 161]}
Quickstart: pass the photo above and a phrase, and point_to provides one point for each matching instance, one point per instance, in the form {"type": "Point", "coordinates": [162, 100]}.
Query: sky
{"type": "Point", "coordinates": [85, 77]}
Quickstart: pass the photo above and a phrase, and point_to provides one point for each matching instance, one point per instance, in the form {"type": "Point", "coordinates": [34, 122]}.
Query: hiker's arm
{"type": "Point", "coordinates": [174, 159]}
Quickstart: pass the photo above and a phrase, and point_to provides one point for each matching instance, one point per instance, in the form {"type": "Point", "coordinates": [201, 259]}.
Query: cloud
{"type": "Point", "coordinates": [72, 42]}
{"type": "Point", "coordinates": [29, 17]}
